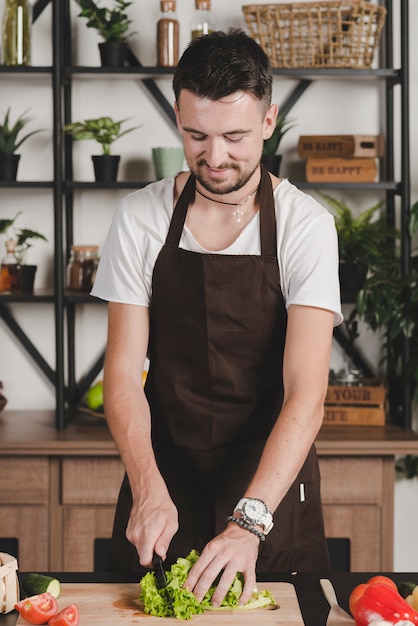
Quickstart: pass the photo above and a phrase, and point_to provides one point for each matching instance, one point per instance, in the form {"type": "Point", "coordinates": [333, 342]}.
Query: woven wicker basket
{"type": "Point", "coordinates": [335, 33]}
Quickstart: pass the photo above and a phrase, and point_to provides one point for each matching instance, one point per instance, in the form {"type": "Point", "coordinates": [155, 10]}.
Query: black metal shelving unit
{"type": "Point", "coordinates": [69, 390]}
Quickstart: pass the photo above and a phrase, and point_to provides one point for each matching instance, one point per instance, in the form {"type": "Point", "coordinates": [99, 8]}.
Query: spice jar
{"type": "Point", "coordinates": [81, 269]}
{"type": "Point", "coordinates": [16, 32]}
{"type": "Point", "coordinates": [202, 23]}
{"type": "Point", "coordinates": [167, 35]}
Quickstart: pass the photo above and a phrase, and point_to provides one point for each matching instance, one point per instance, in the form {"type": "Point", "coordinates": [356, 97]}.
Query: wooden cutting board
{"type": "Point", "coordinates": [106, 604]}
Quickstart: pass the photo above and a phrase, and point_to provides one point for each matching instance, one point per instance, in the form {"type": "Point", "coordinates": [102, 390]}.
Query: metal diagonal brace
{"type": "Point", "coordinates": [27, 343]}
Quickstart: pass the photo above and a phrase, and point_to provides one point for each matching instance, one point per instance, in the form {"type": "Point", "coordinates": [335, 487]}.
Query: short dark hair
{"type": "Point", "coordinates": [216, 65]}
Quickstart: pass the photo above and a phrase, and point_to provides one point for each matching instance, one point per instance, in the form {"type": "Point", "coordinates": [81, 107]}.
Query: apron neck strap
{"type": "Point", "coordinates": [268, 236]}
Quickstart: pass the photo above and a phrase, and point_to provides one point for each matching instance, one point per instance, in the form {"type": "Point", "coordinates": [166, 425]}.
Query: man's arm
{"type": "Point", "coordinates": [153, 520]}
{"type": "Point", "coordinates": [305, 376]}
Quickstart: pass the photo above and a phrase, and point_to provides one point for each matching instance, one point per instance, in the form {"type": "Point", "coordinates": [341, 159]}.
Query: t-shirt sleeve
{"type": "Point", "coordinates": [309, 257]}
{"type": "Point", "coordinates": [121, 275]}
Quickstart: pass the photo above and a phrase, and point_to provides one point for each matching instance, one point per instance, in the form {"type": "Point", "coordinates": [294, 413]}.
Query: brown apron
{"type": "Point", "coordinates": [215, 388]}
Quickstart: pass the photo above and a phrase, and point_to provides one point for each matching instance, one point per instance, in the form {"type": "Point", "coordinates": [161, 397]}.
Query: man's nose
{"type": "Point", "coordinates": [215, 153]}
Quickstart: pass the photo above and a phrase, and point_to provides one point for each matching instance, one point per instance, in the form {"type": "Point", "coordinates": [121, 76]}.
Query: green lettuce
{"type": "Point", "coordinates": [184, 602]}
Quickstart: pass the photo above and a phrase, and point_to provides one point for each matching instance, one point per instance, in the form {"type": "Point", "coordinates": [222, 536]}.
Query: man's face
{"type": "Point", "coordinates": [223, 139]}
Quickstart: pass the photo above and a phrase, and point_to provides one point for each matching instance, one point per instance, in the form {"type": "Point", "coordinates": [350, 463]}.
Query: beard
{"type": "Point", "coordinates": [221, 187]}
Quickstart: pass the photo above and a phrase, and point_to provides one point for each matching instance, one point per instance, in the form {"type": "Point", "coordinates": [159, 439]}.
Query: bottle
{"type": "Point", "coordinates": [167, 35]}
{"type": "Point", "coordinates": [81, 268]}
{"type": "Point", "coordinates": [16, 34]}
{"type": "Point", "coordinates": [10, 274]}
{"type": "Point", "coordinates": [202, 23]}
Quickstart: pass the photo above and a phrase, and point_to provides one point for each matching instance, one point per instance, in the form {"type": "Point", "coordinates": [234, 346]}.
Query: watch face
{"type": "Point", "coordinates": [254, 510]}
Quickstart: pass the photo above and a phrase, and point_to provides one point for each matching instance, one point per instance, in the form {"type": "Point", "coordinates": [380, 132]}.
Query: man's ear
{"type": "Point", "coordinates": [269, 123]}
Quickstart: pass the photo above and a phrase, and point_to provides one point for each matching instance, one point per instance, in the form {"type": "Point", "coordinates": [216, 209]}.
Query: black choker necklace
{"type": "Point", "coordinates": [237, 213]}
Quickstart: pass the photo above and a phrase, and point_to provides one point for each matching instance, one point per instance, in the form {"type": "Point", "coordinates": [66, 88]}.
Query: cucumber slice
{"type": "Point", "coordinates": [33, 584]}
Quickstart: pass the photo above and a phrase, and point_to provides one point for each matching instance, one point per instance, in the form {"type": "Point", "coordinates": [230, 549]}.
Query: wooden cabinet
{"type": "Point", "coordinates": [58, 490]}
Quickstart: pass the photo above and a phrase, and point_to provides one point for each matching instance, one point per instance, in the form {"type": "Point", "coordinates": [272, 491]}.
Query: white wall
{"type": "Point", "coordinates": [327, 107]}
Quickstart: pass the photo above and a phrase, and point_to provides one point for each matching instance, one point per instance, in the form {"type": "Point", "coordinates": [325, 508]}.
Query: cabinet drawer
{"type": "Point", "coordinates": [91, 480]}
{"type": "Point", "coordinates": [352, 479]}
{"type": "Point", "coordinates": [24, 480]}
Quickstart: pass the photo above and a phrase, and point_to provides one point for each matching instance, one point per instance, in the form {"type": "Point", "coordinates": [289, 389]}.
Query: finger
{"type": "Point", "coordinates": [249, 586]}
{"type": "Point", "coordinates": [201, 577]}
{"type": "Point", "coordinates": [223, 586]}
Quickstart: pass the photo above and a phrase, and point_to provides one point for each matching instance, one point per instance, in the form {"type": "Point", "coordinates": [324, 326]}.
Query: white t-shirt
{"type": "Point", "coordinates": [307, 247]}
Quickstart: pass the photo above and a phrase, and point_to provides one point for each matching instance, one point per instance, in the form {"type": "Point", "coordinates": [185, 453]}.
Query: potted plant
{"type": "Point", "coordinates": [388, 302]}
{"type": "Point", "coordinates": [105, 131]}
{"type": "Point", "coordinates": [112, 25]}
{"type": "Point", "coordinates": [363, 240]}
{"type": "Point", "coordinates": [10, 141]}
{"type": "Point", "coordinates": [269, 157]}
{"type": "Point", "coordinates": [16, 275]}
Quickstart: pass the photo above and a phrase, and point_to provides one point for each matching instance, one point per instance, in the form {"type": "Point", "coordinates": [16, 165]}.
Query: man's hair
{"type": "Point", "coordinates": [215, 66]}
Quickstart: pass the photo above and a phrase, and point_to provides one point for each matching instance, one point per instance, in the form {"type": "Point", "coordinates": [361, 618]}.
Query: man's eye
{"type": "Point", "coordinates": [234, 138]}
{"type": "Point", "coordinates": [198, 137]}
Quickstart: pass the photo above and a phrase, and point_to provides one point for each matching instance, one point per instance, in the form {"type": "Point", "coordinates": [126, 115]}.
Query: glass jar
{"type": "Point", "coordinates": [10, 269]}
{"type": "Point", "coordinates": [167, 35]}
{"type": "Point", "coordinates": [16, 34]}
{"type": "Point", "coordinates": [81, 268]}
{"type": "Point", "coordinates": [202, 23]}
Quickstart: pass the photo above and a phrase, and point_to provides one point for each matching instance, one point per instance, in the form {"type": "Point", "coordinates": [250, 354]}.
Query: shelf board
{"type": "Point", "coordinates": [82, 297]}
{"type": "Point", "coordinates": [31, 184]}
{"type": "Point", "coordinates": [378, 186]}
{"type": "Point", "coordinates": [37, 297]}
{"type": "Point", "coordinates": [27, 70]}
{"type": "Point", "coordinates": [123, 184]}
{"type": "Point", "coordinates": [298, 73]}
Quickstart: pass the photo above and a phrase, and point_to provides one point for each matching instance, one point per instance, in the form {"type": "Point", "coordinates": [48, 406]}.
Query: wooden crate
{"type": "Point", "coordinates": [363, 404]}
{"type": "Point", "coordinates": [338, 170]}
{"type": "Point", "coordinates": [341, 146]}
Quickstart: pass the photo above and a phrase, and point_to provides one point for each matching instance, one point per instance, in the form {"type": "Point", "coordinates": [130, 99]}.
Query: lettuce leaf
{"type": "Point", "coordinates": [184, 602]}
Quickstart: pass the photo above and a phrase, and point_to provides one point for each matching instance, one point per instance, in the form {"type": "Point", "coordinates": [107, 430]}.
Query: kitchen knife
{"type": "Point", "coordinates": [161, 580]}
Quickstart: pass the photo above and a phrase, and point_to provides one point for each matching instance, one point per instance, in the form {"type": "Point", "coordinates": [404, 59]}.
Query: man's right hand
{"type": "Point", "coordinates": [153, 522]}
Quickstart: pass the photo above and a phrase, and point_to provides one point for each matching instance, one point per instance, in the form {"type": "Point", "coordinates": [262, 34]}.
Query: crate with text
{"type": "Point", "coordinates": [342, 146]}
{"type": "Point", "coordinates": [361, 404]}
{"type": "Point", "coordinates": [336, 170]}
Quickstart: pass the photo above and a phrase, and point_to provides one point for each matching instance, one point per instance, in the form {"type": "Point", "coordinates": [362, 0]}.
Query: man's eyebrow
{"type": "Point", "coordinates": [238, 131]}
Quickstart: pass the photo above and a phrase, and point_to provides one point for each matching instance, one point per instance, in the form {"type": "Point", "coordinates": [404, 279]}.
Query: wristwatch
{"type": "Point", "coordinates": [255, 511]}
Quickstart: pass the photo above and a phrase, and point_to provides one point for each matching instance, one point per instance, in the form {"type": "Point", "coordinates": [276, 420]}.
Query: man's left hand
{"type": "Point", "coordinates": [234, 550]}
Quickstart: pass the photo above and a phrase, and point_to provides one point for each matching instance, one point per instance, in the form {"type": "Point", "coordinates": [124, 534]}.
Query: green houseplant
{"type": "Point", "coordinates": [363, 240]}
{"type": "Point", "coordinates": [105, 131]}
{"type": "Point", "coordinates": [269, 157]}
{"type": "Point", "coordinates": [10, 141]}
{"type": "Point", "coordinates": [16, 275]}
{"type": "Point", "coordinates": [112, 25]}
{"type": "Point", "coordinates": [387, 302]}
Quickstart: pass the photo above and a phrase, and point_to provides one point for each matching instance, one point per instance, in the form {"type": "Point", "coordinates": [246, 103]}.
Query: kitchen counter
{"type": "Point", "coordinates": [56, 515]}
{"type": "Point", "coordinates": [313, 605]}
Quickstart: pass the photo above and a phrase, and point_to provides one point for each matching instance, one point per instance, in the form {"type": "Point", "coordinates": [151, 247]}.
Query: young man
{"type": "Point", "coordinates": [226, 277]}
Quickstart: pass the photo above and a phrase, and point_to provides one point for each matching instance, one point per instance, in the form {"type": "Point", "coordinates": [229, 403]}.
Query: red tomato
{"type": "Point", "coordinates": [356, 595]}
{"type": "Point", "coordinates": [38, 609]}
{"type": "Point", "coordinates": [384, 580]}
{"type": "Point", "coordinates": [67, 617]}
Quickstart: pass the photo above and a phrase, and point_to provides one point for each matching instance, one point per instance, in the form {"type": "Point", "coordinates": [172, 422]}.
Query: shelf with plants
{"type": "Point", "coordinates": [46, 78]}
{"type": "Point", "coordinates": [66, 188]}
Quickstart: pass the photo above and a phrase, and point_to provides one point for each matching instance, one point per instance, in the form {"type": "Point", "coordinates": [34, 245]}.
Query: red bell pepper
{"type": "Point", "coordinates": [381, 602]}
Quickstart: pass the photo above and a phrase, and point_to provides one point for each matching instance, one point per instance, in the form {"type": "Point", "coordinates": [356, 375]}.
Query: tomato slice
{"type": "Point", "coordinates": [38, 609]}
{"type": "Point", "coordinates": [67, 617]}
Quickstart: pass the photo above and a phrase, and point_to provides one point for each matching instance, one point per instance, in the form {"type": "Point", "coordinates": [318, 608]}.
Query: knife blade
{"type": "Point", "coordinates": [161, 580]}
